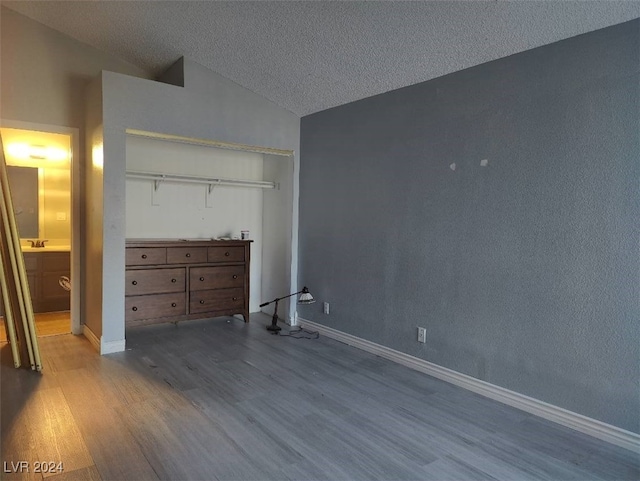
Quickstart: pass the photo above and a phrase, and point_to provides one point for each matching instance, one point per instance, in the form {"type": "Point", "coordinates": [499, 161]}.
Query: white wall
{"type": "Point", "coordinates": [279, 207]}
{"type": "Point", "coordinates": [44, 76]}
{"type": "Point", "coordinates": [93, 226]}
{"type": "Point", "coordinates": [217, 110]}
{"type": "Point", "coordinates": [44, 72]}
{"type": "Point", "coordinates": [45, 79]}
{"type": "Point", "coordinates": [182, 211]}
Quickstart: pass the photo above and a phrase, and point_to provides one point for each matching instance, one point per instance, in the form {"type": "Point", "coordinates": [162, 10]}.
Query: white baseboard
{"type": "Point", "coordinates": [109, 347]}
{"type": "Point", "coordinates": [102, 346]}
{"type": "Point", "coordinates": [598, 429]}
{"type": "Point", "coordinates": [93, 339]}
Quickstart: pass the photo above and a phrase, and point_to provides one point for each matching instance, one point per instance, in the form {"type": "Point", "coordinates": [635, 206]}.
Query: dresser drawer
{"type": "Point", "coordinates": [170, 280]}
{"type": "Point", "coordinates": [145, 256]}
{"type": "Point", "coordinates": [154, 306]}
{"type": "Point", "coordinates": [154, 281]}
{"type": "Point", "coordinates": [186, 255]}
{"type": "Point", "coordinates": [216, 299]}
{"type": "Point", "coordinates": [225, 254]}
{"type": "Point", "coordinates": [201, 278]}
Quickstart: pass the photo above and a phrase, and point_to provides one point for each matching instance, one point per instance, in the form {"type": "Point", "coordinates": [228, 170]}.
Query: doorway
{"type": "Point", "coordinates": [43, 177]}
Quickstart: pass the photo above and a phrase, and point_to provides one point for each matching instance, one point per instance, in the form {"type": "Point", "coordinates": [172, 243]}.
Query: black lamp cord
{"type": "Point", "coordinates": [299, 333]}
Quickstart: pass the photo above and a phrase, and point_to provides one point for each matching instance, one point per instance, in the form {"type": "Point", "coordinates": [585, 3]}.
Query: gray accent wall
{"type": "Point", "coordinates": [524, 272]}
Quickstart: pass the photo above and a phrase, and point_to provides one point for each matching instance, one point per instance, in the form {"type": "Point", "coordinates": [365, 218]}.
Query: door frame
{"type": "Point", "coordinates": [76, 247]}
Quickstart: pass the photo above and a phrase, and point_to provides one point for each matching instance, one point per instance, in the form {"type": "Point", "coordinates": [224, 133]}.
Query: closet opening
{"type": "Point", "coordinates": [190, 189]}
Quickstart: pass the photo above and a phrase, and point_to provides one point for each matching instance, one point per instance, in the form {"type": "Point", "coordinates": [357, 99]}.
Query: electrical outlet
{"type": "Point", "coordinates": [325, 308]}
{"type": "Point", "coordinates": [422, 334]}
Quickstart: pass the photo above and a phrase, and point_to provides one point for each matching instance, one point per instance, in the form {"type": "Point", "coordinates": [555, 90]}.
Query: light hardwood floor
{"type": "Point", "coordinates": [47, 324]}
{"type": "Point", "coordinates": [220, 399]}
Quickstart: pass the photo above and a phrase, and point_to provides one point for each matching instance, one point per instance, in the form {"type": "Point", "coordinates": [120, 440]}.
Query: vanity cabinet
{"type": "Point", "coordinates": [173, 280]}
{"type": "Point", "coordinates": [44, 273]}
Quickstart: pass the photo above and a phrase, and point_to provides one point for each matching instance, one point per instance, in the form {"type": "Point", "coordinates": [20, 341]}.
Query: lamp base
{"type": "Point", "coordinates": [274, 320]}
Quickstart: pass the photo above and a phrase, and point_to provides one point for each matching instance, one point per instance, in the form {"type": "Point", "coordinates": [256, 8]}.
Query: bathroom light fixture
{"type": "Point", "coordinates": [305, 298]}
{"type": "Point", "coordinates": [37, 152]}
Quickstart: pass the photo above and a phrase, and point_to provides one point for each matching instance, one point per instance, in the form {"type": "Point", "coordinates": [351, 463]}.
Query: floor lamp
{"type": "Point", "coordinates": [305, 298]}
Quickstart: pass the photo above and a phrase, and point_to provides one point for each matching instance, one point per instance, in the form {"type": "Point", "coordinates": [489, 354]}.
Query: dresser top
{"type": "Point", "coordinates": [184, 242]}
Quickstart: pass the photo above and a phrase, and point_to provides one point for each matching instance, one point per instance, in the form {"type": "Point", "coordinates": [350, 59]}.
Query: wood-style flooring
{"type": "Point", "coordinates": [225, 400]}
{"type": "Point", "coordinates": [47, 324]}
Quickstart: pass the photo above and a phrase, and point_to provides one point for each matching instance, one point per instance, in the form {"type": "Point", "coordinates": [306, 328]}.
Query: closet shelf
{"type": "Point", "coordinates": [158, 178]}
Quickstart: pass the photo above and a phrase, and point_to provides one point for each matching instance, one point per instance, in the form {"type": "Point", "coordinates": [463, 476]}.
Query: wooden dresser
{"type": "Point", "coordinates": [173, 280]}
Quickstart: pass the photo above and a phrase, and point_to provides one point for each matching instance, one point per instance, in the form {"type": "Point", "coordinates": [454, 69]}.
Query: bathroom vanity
{"type": "Point", "coordinates": [48, 272]}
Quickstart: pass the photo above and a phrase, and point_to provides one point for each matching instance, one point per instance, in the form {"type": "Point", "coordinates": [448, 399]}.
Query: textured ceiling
{"type": "Point", "coordinates": [309, 56]}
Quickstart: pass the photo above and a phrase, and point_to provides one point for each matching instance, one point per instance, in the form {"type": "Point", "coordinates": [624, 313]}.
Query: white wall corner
{"type": "Point", "coordinates": [592, 427]}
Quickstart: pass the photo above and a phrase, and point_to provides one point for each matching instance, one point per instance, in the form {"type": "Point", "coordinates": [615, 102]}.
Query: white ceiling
{"type": "Point", "coordinates": [310, 56]}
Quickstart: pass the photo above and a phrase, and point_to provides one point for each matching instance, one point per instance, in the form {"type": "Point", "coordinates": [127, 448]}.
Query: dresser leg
{"type": "Point", "coordinates": [245, 314]}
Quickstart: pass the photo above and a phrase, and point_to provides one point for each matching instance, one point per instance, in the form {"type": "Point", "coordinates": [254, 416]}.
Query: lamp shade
{"type": "Point", "coordinates": [306, 297]}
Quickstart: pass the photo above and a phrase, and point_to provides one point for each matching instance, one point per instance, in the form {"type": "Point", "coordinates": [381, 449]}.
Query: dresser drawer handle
{"type": "Point", "coordinates": [144, 256]}
{"type": "Point", "coordinates": [134, 308]}
{"type": "Point", "coordinates": [173, 304]}
{"type": "Point", "coordinates": [135, 283]}
{"type": "Point", "coordinates": [174, 280]}
{"type": "Point", "coordinates": [202, 278]}
{"type": "Point", "coordinates": [227, 254]}
{"type": "Point", "coordinates": [201, 301]}
{"type": "Point", "coordinates": [188, 254]}
{"type": "Point", "coordinates": [235, 276]}
{"type": "Point", "coordinates": [235, 298]}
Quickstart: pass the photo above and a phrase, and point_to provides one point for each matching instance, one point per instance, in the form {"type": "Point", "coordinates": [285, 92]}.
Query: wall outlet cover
{"type": "Point", "coordinates": [422, 334]}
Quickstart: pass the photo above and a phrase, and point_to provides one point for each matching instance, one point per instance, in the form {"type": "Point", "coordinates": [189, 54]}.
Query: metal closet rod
{"type": "Point", "coordinates": [194, 179]}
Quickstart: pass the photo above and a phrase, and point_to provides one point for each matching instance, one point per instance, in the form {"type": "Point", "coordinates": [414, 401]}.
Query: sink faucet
{"type": "Point", "coordinates": [38, 243]}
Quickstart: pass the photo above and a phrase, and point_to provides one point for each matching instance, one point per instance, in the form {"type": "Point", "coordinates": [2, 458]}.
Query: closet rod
{"type": "Point", "coordinates": [194, 179]}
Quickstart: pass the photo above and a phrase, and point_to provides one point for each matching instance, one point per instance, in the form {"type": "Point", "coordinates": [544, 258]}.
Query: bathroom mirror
{"type": "Point", "coordinates": [23, 182]}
